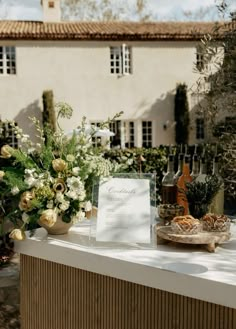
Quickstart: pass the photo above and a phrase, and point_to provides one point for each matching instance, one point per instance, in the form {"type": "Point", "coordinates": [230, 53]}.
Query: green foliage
{"type": "Point", "coordinates": [202, 192]}
{"type": "Point", "coordinates": [49, 116]}
{"type": "Point", "coordinates": [181, 115]}
{"type": "Point", "coordinates": [220, 100]}
{"type": "Point", "coordinates": [155, 161]}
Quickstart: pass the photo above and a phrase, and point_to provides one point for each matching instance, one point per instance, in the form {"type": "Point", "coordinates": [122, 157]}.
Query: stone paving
{"type": "Point", "coordinates": [9, 296]}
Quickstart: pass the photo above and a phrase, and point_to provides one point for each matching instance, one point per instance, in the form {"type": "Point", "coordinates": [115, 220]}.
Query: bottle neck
{"type": "Point", "coordinates": [186, 170]}
{"type": "Point", "coordinates": [180, 165]}
{"type": "Point", "coordinates": [195, 168]}
{"type": "Point", "coordinates": [170, 167]}
{"type": "Point", "coordinates": [203, 169]}
{"type": "Point", "coordinates": [186, 167]}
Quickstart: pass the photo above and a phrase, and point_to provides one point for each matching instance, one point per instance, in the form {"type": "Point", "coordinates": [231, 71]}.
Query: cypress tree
{"type": "Point", "coordinates": [49, 116]}
{"type": "Point", "coordinates": [181, 114]}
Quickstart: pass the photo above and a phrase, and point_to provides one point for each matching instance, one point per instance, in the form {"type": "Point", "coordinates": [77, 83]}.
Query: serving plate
{"type": "Point", "coordinates": [209, 239]}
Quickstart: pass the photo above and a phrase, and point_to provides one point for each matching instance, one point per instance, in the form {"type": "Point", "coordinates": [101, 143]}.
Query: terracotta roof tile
{"type": "Point", "coordinates": [27, 30]}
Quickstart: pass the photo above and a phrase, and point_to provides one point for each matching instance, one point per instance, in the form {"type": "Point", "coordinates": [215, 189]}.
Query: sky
{"type": "Point", "coordinates": [162, 10]}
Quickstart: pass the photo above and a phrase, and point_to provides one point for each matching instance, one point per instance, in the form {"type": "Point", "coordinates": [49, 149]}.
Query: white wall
{"type": "Point", "coordinates": [79, 73]}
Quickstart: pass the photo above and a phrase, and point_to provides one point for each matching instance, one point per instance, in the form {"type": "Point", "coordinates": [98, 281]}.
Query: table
{"type": "Point", "coordinates": [69, 283]}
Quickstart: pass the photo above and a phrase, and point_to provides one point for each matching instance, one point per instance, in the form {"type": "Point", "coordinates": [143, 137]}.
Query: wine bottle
{"type": "Point", "coordinates": [181, 184]}
{"type": "Point", "coordinates": [195, 164]}
{"type": "Point", "coordinates": [180, 166]}
{"type": "Point", "coordinates": [168, 183]}
{"type": "Point", "coordinates": [203, 170]}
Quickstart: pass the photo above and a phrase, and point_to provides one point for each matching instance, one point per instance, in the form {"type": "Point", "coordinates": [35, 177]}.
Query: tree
{"type": "Point", "coordinates": [221, 97]}
{"type": "Point", "coordinates": [181, 114]}
{"type": "Point", "coordinates": [49, 116]}
{"type": "Point", "coordinates": [105, 10]}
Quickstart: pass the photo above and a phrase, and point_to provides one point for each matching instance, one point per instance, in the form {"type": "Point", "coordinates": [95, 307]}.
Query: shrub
{"type": "Point", "coordinates": [129, 159]}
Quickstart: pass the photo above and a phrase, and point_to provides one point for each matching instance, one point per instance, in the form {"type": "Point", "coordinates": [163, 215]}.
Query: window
{"type": "Point", "coordinates": [115, 127]}
{"type": "Point", "coordinates": [51, 4]}
{"type": "Point", "coordinates": [227, 125]}
{"type": "Point", "coordinates": [147, 133]}
{"type": "Point", "coordinates": [96, 141]}
{"type": "Point", "coordinates": [120, 59]}
{"type": "Point", "coordinates": [7, 60]}
{"type": "Point", "coordinates": [129, 132]}
{"type": "Point", "coordinates": [201, 60]}
{"type": "Point", "coordinates": [200, 128]}
{"type": "Point", "coordinates": [7, 135]}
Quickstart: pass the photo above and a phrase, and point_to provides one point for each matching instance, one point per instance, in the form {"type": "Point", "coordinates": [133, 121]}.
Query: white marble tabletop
{"type": "Point", "coordinates": [189, 271]}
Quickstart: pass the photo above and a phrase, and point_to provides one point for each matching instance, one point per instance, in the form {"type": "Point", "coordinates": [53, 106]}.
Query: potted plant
{"type": "Point", "coordinates": [201, 194]}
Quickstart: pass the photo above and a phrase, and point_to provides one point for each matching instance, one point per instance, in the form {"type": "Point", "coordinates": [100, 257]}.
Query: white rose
{"type": "Point", "coordinates": [6, 151]}
{"type": "Point", "coordinates": [48, 217]}
{"type": "Point", "coordinates": [59, 165]}
{"type": "Point", "coordinates": [17, 234]}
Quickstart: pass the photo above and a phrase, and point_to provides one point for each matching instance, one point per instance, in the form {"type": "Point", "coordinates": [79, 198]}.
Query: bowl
{"type": "Point", "coordinates": [215, 223]}
{"type": "Point", "coordinates": [168, 211]}
{"type": "Point", "coordinates": [185, 225]}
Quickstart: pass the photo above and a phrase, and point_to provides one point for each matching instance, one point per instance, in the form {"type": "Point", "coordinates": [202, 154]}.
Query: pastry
{"type": "Point", "coordinates": [185, 224]}
{"type": "Point", "coordinates": [213, 222]}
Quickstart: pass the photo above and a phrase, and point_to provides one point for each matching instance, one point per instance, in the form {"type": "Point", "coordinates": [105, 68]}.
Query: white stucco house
{"type": "Point", "coordinates": [101, 69]}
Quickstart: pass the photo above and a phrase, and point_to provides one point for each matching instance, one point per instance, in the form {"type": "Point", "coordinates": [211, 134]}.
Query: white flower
{"type": "Point", "coordinates": [31, 150]}
{"type": "Point", "coordinates": [24, 138]}
{"type": "Point", "coordinates": [74, 183]}
{"type": "Point", "coordinates": [75, 171]}
{"type": "Point", "coordinates": [30, 172]}
{"type": "Point", "coordinates": [50, 204]}
{"type": "Point", "coordinates": [60, 197]}
{"type": "Point", "coordinates": [25, 217]}
{"type": "Point", "coordinates": [72, 194]}
{"type": "Point", "coordinates": [82, 196]}
{"type": "Point", "coordinates": [39, 183]}
{"type": "Point", "coordinates": [70, 158]}
{"type": "Point", "coordinates": [79, 216]}
{"type": "Point", "coordinates": [15, 190]}
{"type": "Point", "coordinates": [88, 206]}
{"type": "Point", "coordinates": [30, 181]}
{"type": "Point", "coordinates": [64, 205]}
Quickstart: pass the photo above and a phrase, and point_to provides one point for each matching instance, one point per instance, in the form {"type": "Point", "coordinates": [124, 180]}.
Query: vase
{"type": "Point", "coordinates": [60, 227]}
{"type": "Point", "coordinates": [198, 209]}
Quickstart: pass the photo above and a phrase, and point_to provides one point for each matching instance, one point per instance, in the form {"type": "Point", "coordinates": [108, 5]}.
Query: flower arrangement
{"type": "Point", "coordinates": [39, 181]}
